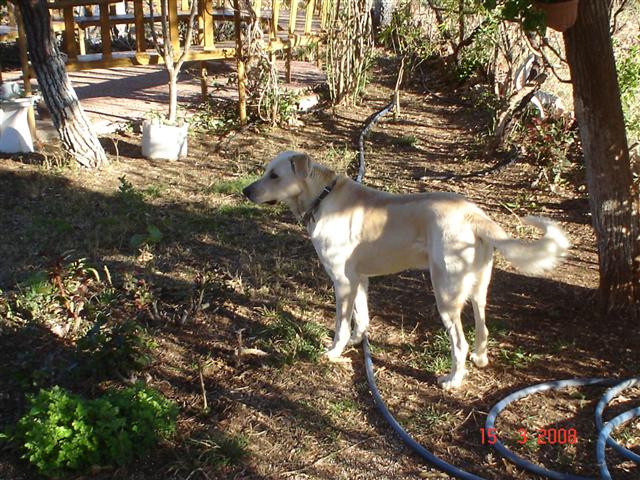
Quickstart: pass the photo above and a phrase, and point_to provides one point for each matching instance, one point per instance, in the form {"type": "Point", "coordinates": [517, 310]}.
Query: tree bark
{"type": "Point", "coordinates": [76, 134]}
{"type": "Point", "coordinates": [613, 199]}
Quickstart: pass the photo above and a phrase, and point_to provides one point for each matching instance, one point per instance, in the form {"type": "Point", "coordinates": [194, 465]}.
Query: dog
{"type": "Point", "coordinates": [359, 232]}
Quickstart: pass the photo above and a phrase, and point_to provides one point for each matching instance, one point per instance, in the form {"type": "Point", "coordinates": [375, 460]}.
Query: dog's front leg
{"type": "Point", "coordinates": [360, 313]}
{"type": "Point", "coordinates": [345, 291]}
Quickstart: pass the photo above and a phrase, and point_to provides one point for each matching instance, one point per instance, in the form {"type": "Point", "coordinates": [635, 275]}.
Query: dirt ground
{"type": "Point", "coordinates": [311, 419]}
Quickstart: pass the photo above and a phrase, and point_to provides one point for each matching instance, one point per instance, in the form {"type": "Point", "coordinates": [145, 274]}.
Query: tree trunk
{"type": "Point", "coordinates": [173, 97]}
{"type": "Point", "coordinates": [615, 206]}
{"type": "Point", "coordinates": [76, 134]}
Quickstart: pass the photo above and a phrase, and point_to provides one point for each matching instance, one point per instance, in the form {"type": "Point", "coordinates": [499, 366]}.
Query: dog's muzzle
{"type": "Point", "coordinates": [249, 192]}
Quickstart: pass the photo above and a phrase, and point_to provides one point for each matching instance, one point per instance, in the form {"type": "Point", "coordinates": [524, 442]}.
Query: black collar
{"type": "Point", "coordinates": [308, 215]}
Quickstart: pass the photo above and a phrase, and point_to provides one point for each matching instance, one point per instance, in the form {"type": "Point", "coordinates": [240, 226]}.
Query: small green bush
{"type": "Point", "coordinates": [628, 65]}
{"type": "Point", "coordinates": [113, 348]}
{"type": "Point", "coordinates": [63, 432]}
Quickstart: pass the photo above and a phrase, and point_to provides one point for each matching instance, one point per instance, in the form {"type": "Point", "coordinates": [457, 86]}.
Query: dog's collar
{"type": "Point", "coordinates": [308, 215]}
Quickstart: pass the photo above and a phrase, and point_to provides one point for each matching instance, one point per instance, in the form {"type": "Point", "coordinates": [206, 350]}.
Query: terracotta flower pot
{"type": "Point", "coordinates": [560, 15]}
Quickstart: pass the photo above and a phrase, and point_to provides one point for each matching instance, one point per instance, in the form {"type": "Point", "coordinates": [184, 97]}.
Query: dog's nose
{"type": "Point", "coordinates": [247, 192]}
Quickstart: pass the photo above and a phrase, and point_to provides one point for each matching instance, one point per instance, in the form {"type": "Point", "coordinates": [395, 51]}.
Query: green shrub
{"type": "Point", "coordinates": [628, 65]}
{"type": "Point", "coordinates": [63, 432]}
{"type": "Point", "coordinates": [552, 143]}
{"type": "Point", "coordinates": [113, 348]}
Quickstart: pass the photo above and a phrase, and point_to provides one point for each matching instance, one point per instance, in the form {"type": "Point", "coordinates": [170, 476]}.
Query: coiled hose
{"type": "Point", "coordinates": [603, 436]}
{"type": "Point", "coordinates": [604, 430]}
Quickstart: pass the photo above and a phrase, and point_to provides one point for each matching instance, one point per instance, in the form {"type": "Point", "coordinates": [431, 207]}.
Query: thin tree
{"type": "Point", "coordinates": [170, 51]}
{"type": "Point", "coordinates": [76, 134]}
{"type": "Point", "coordinates": [613, 198]}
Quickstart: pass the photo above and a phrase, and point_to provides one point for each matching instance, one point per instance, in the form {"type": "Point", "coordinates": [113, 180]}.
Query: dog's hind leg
{"type": "Point", "coordinates": [451, 293]}
{"type": "Point", "coordinates": [479, 301]}
{"type": "Point", "coordinates": [345, 288]}
{"type": "Point", "coordinates": [360, 313]}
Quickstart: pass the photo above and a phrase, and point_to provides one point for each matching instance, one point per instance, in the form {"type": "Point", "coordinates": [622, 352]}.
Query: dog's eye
{"type": "Point", "coordinates": [273, 175]}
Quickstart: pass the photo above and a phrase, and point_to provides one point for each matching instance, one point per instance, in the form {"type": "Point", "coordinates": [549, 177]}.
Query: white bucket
{"type": "Point", "coordinates": [164, 142]}
{"type": "Point", "coordinates": [15, 135]}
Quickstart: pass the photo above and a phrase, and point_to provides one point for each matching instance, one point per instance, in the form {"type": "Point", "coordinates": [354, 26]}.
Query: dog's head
{"type": "Point", "coordinates": [283, 179]}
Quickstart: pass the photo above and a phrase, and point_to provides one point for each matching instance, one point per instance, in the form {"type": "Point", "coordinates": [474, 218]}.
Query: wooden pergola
{"type": "Point", "coordinates": [287, 26]}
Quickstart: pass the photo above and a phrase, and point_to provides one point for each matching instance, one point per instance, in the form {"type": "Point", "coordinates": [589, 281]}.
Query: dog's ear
{"type": "Point", "coordinates": [301, 164]}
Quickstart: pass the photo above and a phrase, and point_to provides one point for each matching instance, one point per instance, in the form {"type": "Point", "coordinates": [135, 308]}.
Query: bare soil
{"type": "Point", "coordinates": [307, 419]}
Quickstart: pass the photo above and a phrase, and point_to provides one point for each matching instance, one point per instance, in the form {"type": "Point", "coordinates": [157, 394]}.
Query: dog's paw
{"type": "Point", "coordinates": [335, 355]}
{"type": "Point", "coordinates": [450, 381]}
{"type": "Point", "coordinates": [479, 361]}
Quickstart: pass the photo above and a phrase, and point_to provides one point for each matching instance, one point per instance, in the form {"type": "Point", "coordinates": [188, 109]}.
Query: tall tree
{"type": "Point", "coordinates": [614, 201]}
{"type": "Point", "coordinates": [77, 136]}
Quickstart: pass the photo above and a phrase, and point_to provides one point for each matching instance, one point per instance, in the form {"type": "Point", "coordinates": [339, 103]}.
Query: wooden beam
{"type": "Point", "coordinates": [105, 32]}
{"type": "Point", "coordinates": [275, 18]}
{"type": "Point", "coordinates": [70, 32]}
{"type": "Point", "coordinates": [293, 16]}
{"type": "Point", "coordinates": [138, 14]}
{"type": "Point", "coordinates": [242, 80]}
{"type": "Point", "coordinates": [172, 5]}
{"type": "Point", "coordinates": [208, 30]}
{"type": "Point", "coordinates": [62, 4]}
{"type": "Point", "coordinates": [309, 17]}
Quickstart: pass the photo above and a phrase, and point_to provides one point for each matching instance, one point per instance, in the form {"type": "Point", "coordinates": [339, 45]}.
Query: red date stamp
{"type": "Point", "coordinates": [542, 436]}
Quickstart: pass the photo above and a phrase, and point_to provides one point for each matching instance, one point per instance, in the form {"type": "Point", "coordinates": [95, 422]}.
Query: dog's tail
{"type": "Point", "coordinates": [530, 257]}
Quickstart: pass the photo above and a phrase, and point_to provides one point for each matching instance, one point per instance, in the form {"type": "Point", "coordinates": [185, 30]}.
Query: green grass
{"type": "Point", "coordinates": [517, 357]}
{"type": "Point", "coordinates": [233, 186]}
{"type": "Point", "coordinates": [433, 417]}
{"type": "Point", "coordinates": [222, 450]}
{"type": "Point", "coordinates": [406, 141]}
{"type": "Point", "coordinates": [433, 355]}
{"type": "Point", "coordinates": [343, 406]}
{"type": "Point", "coordinates": [290, 339]}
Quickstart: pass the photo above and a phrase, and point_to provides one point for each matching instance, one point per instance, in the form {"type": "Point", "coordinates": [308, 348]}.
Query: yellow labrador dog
{"type": "Point", "coordinates": [359, 232]}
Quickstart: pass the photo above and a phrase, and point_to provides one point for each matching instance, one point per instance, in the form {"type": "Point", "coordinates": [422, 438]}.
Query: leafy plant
{"type": "Point", "coordinates": [214, 117]}
{"type": "Point", "coordinates": [63, 432]}
{"type": "Point", "coordinates": [152, 236]}
{"type": "Point", "coordinates": [553, 144]}
{"type": "Point", "coordinates": [113, 348]}
{"type": "Point", "coordinates": [405, 36]}
{"type": "Point", "coordinates": [628, 66]}
{"type": "Point", "coordinates": [517, 357]}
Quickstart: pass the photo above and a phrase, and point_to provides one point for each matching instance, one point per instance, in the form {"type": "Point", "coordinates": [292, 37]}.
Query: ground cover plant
{"type": "Point", "coordinates": [63, 433]}
{"type": "Point", "coordinates": [223, 308]}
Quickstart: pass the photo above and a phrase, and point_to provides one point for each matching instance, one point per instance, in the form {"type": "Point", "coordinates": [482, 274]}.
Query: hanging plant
{"type": "Point", "coordinates": [560, 15]}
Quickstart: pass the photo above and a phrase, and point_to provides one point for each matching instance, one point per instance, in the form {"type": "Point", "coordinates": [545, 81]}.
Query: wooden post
{"type": "Point", "coordinates": [172, 5]}
{"type": "Point", "coordinates": [309, 18]}
{"type": "Point", "coordinates": [138, 14]}
{"type": "Point", "coordinates": [70, 33]}
{"type": "Point", "coordinates": [242, 80]}
{"type": "Point", "coordinates": [323, 13]}
{"type": "Point", "coordinates": [206, 7]}
{"type": "Point", "coordinates": [275, 18]}
{"type": "Point", "coordinates": [105, 31]}
{"type": "Point", "coordinates": [26, 78]}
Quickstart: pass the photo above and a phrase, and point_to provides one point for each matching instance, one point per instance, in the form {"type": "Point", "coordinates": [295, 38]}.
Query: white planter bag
{"type": "Point", "coordinates": [164, 142]}
{"type": "Point", "coordinates": [15, 135]}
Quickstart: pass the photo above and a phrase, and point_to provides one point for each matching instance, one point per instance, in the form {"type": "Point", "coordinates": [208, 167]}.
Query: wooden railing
{"type": "Point", "coordinates": [301, 24]}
